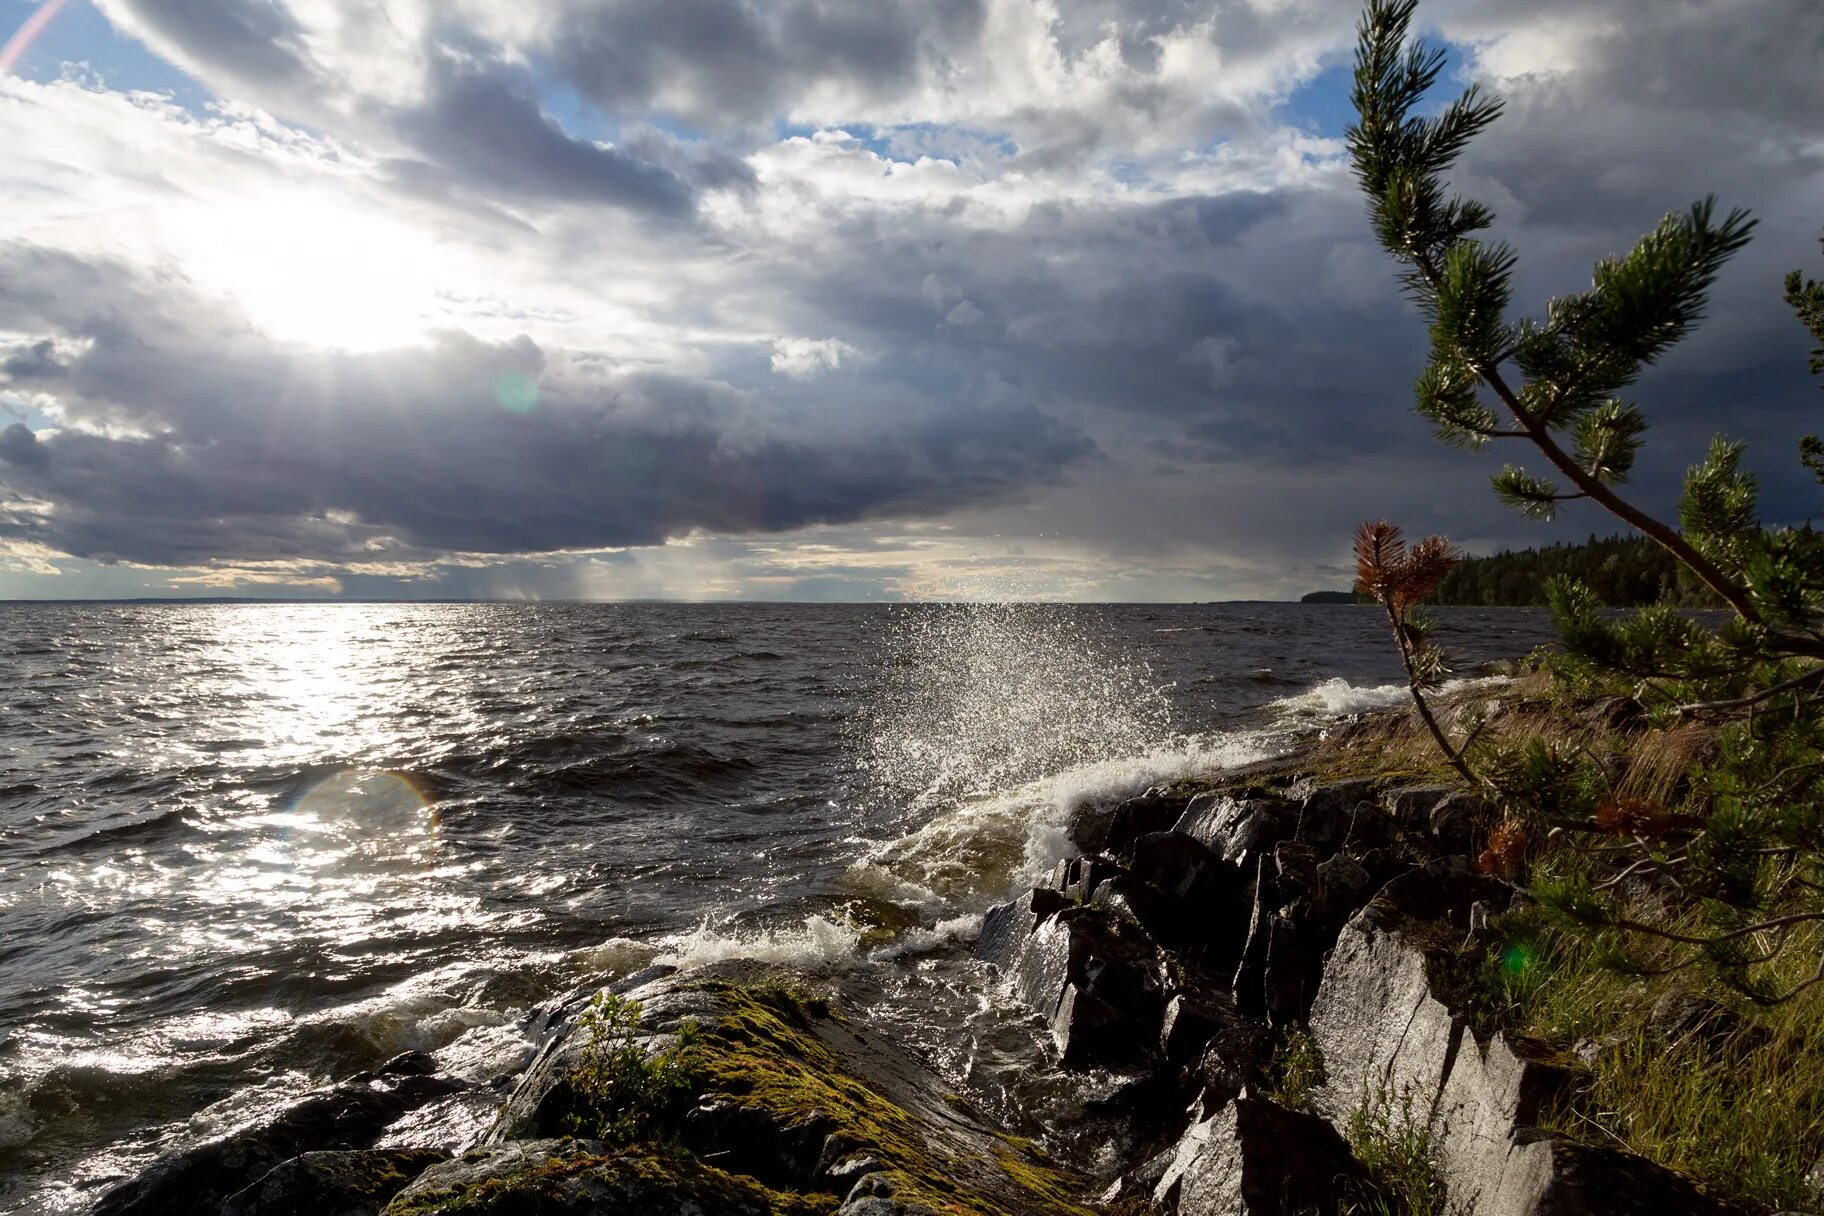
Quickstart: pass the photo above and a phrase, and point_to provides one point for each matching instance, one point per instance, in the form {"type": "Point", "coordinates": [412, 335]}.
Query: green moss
{"type": "Point", "coordinates": [639, 1181]}
{"type": "Point", "coordinates": [762, 1050]}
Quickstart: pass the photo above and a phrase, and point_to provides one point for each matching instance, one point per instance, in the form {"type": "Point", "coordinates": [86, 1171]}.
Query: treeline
{"type": "Point", "coordinates": [1623, 571]}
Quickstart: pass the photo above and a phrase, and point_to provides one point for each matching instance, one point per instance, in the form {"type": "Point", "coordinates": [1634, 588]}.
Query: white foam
{"type": "Point", "coordinates": [616, 957]}
{"type": "Point", "coordinates": [1336, 697]}
{"type": "Point", "coordinates": [964, 928]}
{"type": "Point", "coordinates": [819, 940]}
{"type": "Point", "coordinates": [980, 850]}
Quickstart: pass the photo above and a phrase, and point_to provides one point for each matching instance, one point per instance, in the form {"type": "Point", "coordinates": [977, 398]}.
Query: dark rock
{"type": "Point", "coordinates": [1680, 1013]}
{"type": "Point", "coordinates": [1294, 966]}
{"type": "Point", "coordinates": [1076, 878]}
{"type": "Point", "coordinates": [355, 1183]}
{"type": "Point", "coordinates": [1343, 886]}
{"type": "Point", "coordinates": [1294, 872]}
{"type": "Point", "coordinates": [1549, 1175]}
{"type": "Point", "coordinates": [1253, 1158]}
{"type": "Point", "coordinates": [1201, 900]}
{"type": "Point", "coordinates": [1411, 805]}
{"type": "Point", "coordinates": [1006, 926]}
{"type": "Point", "coordinates": [1345, 815]}
{"type": "Point", "coordinates": [1191, 1021]}
{"type": "Point", "coordinates": [1238, 829]}
{"type": "Point", "coordinates": [1615, 714]}
{"type": "Point", "coordinates": [1249, 982]}
{"type": "Point", "coordinates": [1100, 828]}
{"type": "Point", "coordinates": [1444, 888]}
{"type": "Point", "coordinates": [1453, 822]}
{"type": "Point", "coordinates": [755, 1141]}
{"type": "Point", "coordinates": [198, 1179]}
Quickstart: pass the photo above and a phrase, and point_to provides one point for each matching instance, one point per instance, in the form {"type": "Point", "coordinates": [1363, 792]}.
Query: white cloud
{"type": "Point", "coordinates": [803, 358]}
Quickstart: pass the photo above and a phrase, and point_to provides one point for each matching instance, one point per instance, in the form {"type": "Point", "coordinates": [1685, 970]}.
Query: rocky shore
{"type": "Point", "coordinates": [1271, 964]}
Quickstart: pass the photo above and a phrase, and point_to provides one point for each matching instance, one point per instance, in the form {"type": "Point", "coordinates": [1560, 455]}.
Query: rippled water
{"type": "Point", "coordinates": [248, 847]}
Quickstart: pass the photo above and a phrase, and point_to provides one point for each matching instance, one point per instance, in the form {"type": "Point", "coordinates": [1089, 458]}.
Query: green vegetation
{"type": "Point", "coordinates": [1397, 1151]}
{"type": "Point", "coordinates": [1297, 1068]}
{"type": "Point", "coordinates": [1675, 862]}
{"type": "Point", "coordinates": [624, 1093]}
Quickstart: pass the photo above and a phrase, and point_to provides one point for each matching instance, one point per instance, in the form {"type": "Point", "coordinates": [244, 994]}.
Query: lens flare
{"type": "Point", "coordinates": [517, 393]}
{"type": "Point", "coordinates": [22, 38]}
{"type": "Point", "coordinates": [1516, 960]}
{"type": "Point", "coordinates": [369, 804]}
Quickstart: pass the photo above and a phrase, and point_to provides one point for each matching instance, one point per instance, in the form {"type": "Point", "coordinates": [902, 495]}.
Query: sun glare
{"type": "Point", "coordinates": [317, 271]}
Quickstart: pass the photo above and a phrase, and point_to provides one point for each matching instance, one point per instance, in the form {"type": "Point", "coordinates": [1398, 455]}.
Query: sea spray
{"type": "Point", "coordinates": [975, 698]}
{"type": "Point", "coordinates": [993, 722]}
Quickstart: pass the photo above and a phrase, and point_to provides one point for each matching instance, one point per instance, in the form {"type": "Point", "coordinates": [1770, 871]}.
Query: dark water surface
{"type": "Point", "coordinates": [247, 848]}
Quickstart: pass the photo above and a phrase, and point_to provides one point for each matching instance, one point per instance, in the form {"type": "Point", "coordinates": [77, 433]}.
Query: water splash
{"type": "Point", "coordinates": [982, 697]}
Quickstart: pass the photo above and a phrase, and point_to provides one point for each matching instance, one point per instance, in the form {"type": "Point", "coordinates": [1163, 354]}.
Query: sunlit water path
{"type": "Point", "coordinates": [246, 848]}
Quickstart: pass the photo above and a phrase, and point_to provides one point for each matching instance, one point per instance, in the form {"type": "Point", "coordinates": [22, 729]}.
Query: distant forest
{"type": "Point", "coordinates": [1623, 571]}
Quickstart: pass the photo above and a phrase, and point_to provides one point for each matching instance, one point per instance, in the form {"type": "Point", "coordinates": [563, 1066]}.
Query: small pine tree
{"type": "Point", "coordinates": [1737, 878]}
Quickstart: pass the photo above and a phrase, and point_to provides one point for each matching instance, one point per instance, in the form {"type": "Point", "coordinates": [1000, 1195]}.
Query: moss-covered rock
{"type": "Point", "coordinates": [584, 1178]}
{"type": "Point", "coordinates": [794, 1097]}
{"type": "Point", "coordinates": [357, 1183]}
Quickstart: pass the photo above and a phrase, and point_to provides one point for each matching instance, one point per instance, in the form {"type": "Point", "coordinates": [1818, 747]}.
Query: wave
{"type": "Point", "coordinates": [818, 940]}
{"type": "Point", "coordinates": [1336, 697]}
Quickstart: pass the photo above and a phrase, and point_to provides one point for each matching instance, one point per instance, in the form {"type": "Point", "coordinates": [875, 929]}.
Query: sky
{"type": "Point", "coordinates": [819, 299]}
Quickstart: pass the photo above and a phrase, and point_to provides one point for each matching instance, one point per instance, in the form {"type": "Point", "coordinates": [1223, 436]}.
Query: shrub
{"type": "Point", "coordinates": [627, 1092]}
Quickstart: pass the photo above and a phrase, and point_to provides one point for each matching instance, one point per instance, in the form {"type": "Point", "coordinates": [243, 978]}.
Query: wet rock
{"type": "Point", "coordinates": [1007, 926]}
{"type": "Point", "coordinates": [1076, 878]}
{"type": "Point", "coordinates": [1129, 900]}
{"type": "Point", "coordinates": [1097, 980]}
{"type": "Point", "coordinates": [198, 1179]}
{"type": "Point", "coordinates": [1100, 828]}
{"type": "Point", "coordinates": [1238, 829]}
{"type": "Point", "coordinates": [1253, 1158]}
{"type": "Point", "coordinates": [355, 1183]}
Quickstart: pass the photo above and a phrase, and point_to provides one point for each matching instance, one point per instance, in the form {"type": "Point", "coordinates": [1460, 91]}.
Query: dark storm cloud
{"type": "Point", "coordinates": [1245, 331]}
{"type": "Point", "coordinates": [37, 361]}
{"type": "Point", "coordinates": [478, 130]}
{"type": "Point", "coordinates": [723, 64]}
{"type": "Point", "coordinates": [246, 451]}
{"type": "Point", "coordinates": [481, 125]}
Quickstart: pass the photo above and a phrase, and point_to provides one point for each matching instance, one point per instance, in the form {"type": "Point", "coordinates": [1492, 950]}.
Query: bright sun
{"type": "Point", "coordinates": [311, 269]}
